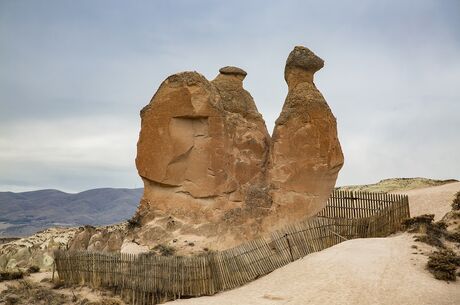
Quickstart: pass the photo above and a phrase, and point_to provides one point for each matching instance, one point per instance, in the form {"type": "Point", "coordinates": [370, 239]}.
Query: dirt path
{"type": "Point", "coordinates": [358, 272]}
{"type": "Point", "coordinates": [432, 200]}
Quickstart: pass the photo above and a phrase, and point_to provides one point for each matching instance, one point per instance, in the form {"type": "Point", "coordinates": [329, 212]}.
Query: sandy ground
{"type": "Point", "coordinates": [80, 292]}
{"type": "Point", "coordinates": [435, 200]}
{"type": "Point", "coordinates": [361, 271]}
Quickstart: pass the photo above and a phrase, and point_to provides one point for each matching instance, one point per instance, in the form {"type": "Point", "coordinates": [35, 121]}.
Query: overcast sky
{"type": "Point", "coordinates": [74, 75]}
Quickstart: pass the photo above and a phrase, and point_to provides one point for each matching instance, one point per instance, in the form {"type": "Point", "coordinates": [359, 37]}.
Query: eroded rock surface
{"type": "Point", "coordinates": [36, 250]}
{"type": "Point", "coordinates": [213, 177]}
{"type": "Point", "coordinates": [203, 147]}
{"type": "Point", "coordinates": [305, 151]}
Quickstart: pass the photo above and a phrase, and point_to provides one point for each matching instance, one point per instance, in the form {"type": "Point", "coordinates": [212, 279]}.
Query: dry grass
{"type": "Point", "coordinates": [25, 292]}
{"type": "Point", "coordinates": [164, 250]}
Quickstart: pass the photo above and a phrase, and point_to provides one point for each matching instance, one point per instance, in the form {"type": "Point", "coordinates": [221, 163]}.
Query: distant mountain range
{"type": "Point", "coordinates": [23, 214]}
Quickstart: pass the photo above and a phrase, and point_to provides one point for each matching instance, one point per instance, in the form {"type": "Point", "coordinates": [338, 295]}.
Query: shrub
{"type": "Point", "coordinates": [415, 222]}
{"type": "Point", "coordinates": [11, 275]}
{"type": "Point", "coordinates": [134, 222]}
{"type": "Point", "coordinates": [443, 265]}
{"type": "Point", "coordinates": [456, 202]}
{"type": "Point", "coordinates": [33, 269]}
{"type": "Point", "coordinates": [433, 232]}
{"type": "Point", "coordinates": [165, 250]}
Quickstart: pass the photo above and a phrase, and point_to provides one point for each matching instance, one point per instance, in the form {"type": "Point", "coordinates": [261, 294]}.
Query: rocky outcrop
{"type": "Point", "coordinates": [214, 177]}
{"type": "Point", "coordinates": [105, 239]}
{"type": "Point", "coordinates": [202, 149]}
{"type": "Point", "coordinates": [36, 250]}
{"type": "Point", "coordinates": [305, 151]}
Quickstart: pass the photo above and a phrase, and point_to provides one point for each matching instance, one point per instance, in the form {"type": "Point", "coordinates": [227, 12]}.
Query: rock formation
{"type": "Point", "coordinates": [212, 172]}
{"type": "Point", "coordinates": [305, 151]}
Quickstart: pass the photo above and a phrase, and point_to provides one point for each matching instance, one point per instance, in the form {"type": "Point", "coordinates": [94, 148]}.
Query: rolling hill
{"type": "Point", "coordinates": [25, 213]}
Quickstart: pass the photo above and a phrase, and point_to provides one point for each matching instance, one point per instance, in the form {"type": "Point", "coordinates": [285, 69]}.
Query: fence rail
{"type": "Point", "coordinates": [147, 279]}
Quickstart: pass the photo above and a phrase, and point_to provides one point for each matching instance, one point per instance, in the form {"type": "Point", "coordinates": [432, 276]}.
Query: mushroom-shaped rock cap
{"type": "Point", "coordinates": [232, 70]}
{"type": "Point", "coordinates": [303, 58]}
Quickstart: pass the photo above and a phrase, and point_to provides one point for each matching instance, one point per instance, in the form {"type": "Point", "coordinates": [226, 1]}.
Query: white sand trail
{"type": "Point", "coordinates": [359, 272]}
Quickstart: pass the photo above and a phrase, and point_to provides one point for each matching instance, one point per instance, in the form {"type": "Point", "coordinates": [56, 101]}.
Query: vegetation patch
{"type": "Point", "coordinates": [26, 293]}
{"type": "Point", "coordinates": [134, 222]}
{"type": "Point", "coordinates": [456, 202]}
{"type": "Point", "coordinates": [433, 233]}
{"type": "Point", "coordinates": [33, 269]}
{"type": "Point", "coordinates": [29, 293]}
{"type": "Point", "coordinates": [444, 262]}
{"type": "Point", "coordinates": [11, 275]}
{"type": "Point", "coordinates": [165, 250]}
{"type": "Point", "coordinates": [443, 265]}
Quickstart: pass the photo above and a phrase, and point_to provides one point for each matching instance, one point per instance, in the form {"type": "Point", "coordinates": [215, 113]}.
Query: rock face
{"type": "Point", "coordinates": [305, 151]}
{"type": "Point", "coordinates": [36, 250]}
{"type": "Point", "coordinates": [211, 170]}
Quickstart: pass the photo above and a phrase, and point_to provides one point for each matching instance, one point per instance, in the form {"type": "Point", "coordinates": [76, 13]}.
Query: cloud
{"type": "Point", "coordinates": [75, 75]}
{"type": "Point", "coordinates": [69, 154]}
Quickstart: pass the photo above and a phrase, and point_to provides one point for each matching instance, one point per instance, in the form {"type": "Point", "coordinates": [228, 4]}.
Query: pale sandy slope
{"type": "Point", "coordinates": [360, 272]}
{"type": "Point", "coordinates": [432, 200]}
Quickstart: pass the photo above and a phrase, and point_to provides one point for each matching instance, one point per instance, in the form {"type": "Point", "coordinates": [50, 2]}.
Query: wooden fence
{"type": "Point", "coordinates": [148, 279]}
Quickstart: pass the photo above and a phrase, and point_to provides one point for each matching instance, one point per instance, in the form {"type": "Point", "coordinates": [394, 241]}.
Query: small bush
{"type": "Point", "coordinates": [415, 222]}
{"type": "Point", "coordinates": [11, 275]}
{"type": "Point", "coordinates": [456, 202]}
{"type": "Point", "coordinates": [443, 265]}
{"type": "Point", "coordinates": [433, 232]}
{"type": "Point", "coordinates": [33, 269]}
{"type": "Point", "coordinates": [165, 250]}
{"type": "Point", "coordinates": [134, 222]}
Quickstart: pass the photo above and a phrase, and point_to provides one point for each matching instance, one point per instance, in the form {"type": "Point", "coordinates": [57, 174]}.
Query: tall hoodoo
{"type": "Point", "coordinates": [305, 153]}
{"type": "Point", "coordinates": [212, 172]}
